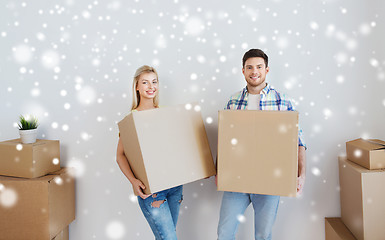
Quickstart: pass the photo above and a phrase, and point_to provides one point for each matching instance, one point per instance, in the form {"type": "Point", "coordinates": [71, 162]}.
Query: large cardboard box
{"type": "Point", "coordinates": [335, 229]}
{"type": "Point", "coordinates": [368, 153]}
{"type": "Point", "coordinates": [38, 208]}
{"type": "Point", "coordinates": [258, 152]}
{"type": "Point", "coordinates": [166, 147]}
{"type": "Point", "coordinates": [63, 235]}
{"type": "Point", "coordinates": [362, 200]}
{"type": "Point", "coordinates": [29, 160]}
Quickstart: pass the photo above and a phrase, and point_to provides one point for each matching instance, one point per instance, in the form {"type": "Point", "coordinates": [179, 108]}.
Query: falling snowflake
{"type": "Point", "coordinates": [50, 59]}
{"type": "Point", "coordinates": [194, 26]}
{"type": "Point", "coordinates": [115, 230]}
{"type": "Point", "coordinates": [314, 25]}
{"type": "Point", "coordinates": [241, 218]}
{"type": "Point", "coordinates": [316, 171]}
{"type": "Point", "coordinates": [86, 95]}
{"type": "Point", "coordinates": [22, 54]}
{"type": "Point", "coordinates": [8, 197]}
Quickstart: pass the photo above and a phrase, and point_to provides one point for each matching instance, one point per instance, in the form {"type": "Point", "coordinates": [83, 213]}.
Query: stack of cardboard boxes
{"type": "Point", "coordinates": [37, 197]}
{"type": "Point", "coordinates": [362, 184]}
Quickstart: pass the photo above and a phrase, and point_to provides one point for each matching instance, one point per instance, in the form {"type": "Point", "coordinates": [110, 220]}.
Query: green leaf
{"type": "Point", "coordinates": [31, 123]}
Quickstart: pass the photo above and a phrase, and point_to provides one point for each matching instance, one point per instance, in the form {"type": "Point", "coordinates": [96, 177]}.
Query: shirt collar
{"type": "Point", "coordinates": [264, 91]}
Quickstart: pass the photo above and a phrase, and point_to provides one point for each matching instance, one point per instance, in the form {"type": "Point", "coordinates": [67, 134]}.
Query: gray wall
{"type": "Point", "coordinates": [71, 64]}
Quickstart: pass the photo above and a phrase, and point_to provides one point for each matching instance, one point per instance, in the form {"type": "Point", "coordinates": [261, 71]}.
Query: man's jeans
{"type": "Point", "coordinates": [163, 219]}
{"type": "Point", "coordinates": [234, 205]}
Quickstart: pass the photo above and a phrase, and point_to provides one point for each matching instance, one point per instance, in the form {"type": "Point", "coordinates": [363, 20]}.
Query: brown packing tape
{"type": "Point", "coordinates": [377, 143]}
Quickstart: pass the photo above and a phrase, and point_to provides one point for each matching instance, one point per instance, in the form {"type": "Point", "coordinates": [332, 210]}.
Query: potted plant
{"type": "Point", "coordinates": [28, 129]}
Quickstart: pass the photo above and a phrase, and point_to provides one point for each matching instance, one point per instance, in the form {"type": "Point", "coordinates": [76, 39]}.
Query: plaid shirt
{"type": "Point", "coordinates": [271, 99]}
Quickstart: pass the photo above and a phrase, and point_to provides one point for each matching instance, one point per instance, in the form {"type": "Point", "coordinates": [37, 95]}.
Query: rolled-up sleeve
{"type": "Point", "coordinates": [301, 139]}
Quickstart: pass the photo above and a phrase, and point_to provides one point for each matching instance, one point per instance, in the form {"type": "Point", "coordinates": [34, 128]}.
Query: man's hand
{"type": "Point", "coordinates": [137, 186]}
{"type": "Point", "coordinates": [300, 184]}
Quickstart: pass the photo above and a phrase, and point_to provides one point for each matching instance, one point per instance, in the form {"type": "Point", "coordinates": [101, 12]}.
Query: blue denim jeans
{"type": "Point", "coordinates": [163, 218]}
{"type": "Point", "coordinates": [234, 205]}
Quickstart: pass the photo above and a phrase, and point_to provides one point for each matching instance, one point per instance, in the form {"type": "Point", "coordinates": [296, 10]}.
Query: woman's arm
{"type": "Point", "coordinates": [124, 166]}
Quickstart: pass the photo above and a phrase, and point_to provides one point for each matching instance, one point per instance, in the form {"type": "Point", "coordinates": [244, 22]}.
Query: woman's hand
{"type": "Point", "coordinates": [137, 186]}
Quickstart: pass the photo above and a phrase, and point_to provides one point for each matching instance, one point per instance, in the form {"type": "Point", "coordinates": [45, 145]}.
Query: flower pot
{"type": "Point", "coordinates": [28, 136]}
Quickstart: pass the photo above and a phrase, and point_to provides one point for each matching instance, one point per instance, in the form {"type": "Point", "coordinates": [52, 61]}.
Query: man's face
{"type": "Point", "coordinates": [255, 71]}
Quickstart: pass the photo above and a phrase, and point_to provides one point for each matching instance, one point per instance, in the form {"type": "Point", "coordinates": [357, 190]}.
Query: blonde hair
{"type": "Point", "coordinates": [135, 93]}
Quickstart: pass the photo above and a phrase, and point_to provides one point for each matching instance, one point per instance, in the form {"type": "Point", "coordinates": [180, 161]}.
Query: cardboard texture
{"type": "Point", "coordinates": [29, 160]}
{"type": "Point", "coordinates": [367, 153]}
{"type": "Point", "coordinates": [166, 147]}
{"type": "Point", "coordinates": [335, 229]}
{"type": "Point", "coordinates": [258, 152]}
{"type": "Point", "coordinates": [362, 200]}
{"type": "Point", "coordinates": [36, 209]}
{"type": "Point", "coordinates": [63, 235]}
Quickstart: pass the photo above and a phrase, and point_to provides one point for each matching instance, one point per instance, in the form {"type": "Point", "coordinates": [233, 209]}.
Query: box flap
{"type": "Point", "coordinates": [62, 171]}
{"type": "Point", "coordinates": [359, 168]}
{"type": "Point", "coordinates": [368, 144]}
{"type": "Point", "coordinates": [377, 142]}
{"type": "Point", "coordinates": [63, 235]}
{"type": "Point", "coordinates": [46, 178]}
{"type": "Point", "coordinates": [335, 229]}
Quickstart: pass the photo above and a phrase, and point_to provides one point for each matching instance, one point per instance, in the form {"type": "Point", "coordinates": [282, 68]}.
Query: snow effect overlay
{"type": "Point", "coordinates": [70, 63]}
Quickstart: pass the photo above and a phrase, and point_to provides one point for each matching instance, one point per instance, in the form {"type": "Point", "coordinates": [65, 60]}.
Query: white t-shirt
{"type": "Point", "coordinates": [253, 101]}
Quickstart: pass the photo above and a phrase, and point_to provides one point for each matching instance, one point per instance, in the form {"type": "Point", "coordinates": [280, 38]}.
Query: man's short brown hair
{"type": "Point", "coordinates": [255, 53]}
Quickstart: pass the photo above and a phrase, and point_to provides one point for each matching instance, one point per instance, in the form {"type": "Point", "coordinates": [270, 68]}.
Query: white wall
{"type": "Point", "coordinates": [71, 64]}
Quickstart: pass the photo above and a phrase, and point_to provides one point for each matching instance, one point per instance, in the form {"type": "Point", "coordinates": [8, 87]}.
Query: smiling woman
{"type": "Point", "coordinates": [161, 209]}
{"type": "Point", "coordinates": [145, 85]}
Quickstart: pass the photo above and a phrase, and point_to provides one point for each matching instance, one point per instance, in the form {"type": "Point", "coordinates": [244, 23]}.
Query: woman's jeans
{"type": "Point", "coordinates": [161, 211]}
{"type": "Point", "coordinates": [234, 205]}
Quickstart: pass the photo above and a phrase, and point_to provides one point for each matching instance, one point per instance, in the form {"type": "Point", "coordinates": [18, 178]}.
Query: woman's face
{"type": "Point", "coordinates": [147, 85]}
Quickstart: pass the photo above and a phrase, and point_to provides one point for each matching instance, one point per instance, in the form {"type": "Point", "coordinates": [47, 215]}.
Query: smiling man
{"type": "Point", "coordinates": [257, 95]}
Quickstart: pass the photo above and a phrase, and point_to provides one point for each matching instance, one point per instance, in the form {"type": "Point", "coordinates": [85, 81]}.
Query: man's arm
{"type": "Point", "coordinates": [301, 161]}
{"type": "Point", "coordinates": [301, 152]}
{"type": "Point", "coordinates": [301, 168]}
